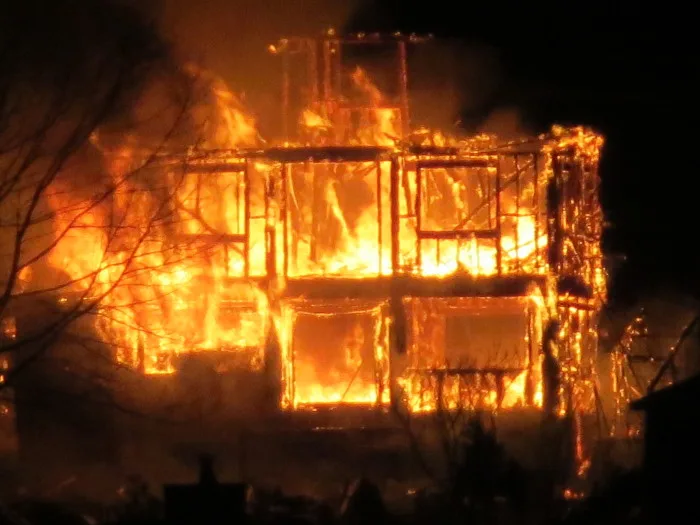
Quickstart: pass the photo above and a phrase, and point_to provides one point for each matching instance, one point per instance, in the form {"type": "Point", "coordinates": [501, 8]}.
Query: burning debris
{"type": "Point", "coordinates": [356, 261]}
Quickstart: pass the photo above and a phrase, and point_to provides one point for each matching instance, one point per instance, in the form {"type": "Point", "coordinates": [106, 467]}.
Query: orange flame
{"type": "Point", "coordinates": [166, 258]}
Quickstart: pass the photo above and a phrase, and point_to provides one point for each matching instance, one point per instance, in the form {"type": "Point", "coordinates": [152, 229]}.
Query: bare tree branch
{"type": "Point", "coordinates": [58, 106]}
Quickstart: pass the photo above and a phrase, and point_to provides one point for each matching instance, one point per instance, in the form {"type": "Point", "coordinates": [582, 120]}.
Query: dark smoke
{"type": "Point", "coordinates": [453, 83]}
{"type": "Point", "coordinates": [459, 78]}
{"type": "Point", "coordinates": [61, 45]}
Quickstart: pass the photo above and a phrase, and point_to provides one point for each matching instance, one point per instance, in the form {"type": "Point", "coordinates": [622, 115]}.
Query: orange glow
{"type": "Point", "coordinates": [155, 261]}
{"type": "Point", "coordinates": [194, 259]}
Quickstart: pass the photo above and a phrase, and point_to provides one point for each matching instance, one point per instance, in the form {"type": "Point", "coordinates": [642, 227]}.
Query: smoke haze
{"type": "Point", "coordinates": [451, 82]}
{"type": "Point", "coordinates": [231, 37]}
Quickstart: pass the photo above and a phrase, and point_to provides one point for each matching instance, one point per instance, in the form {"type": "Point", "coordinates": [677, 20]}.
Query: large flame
{"type": "Point", "coordinates": [154, 252]}
{"type": "Point", "coordinates": [166, 260]}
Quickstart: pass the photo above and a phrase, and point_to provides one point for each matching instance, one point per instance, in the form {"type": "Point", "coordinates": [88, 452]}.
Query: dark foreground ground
{"type": "Point", "coordinates": [340, 467]}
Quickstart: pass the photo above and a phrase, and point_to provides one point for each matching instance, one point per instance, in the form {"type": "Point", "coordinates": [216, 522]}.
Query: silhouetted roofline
{"type": "Point", "coordinates": [689, 388]}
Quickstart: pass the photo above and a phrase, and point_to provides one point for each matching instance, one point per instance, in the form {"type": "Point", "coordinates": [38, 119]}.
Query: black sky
{"type": "Point", "coordinates": [618, 67]}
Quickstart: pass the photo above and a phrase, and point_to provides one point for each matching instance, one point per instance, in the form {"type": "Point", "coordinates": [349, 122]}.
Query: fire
{"type": "Point", "coordinates": [355, 372]}
{"type": "Point", "coordinates": [225, 121]}
{"type": "Point", "coordinates": [312, 120]}
{"type": "Point", "coordinates": [455, 397]}
{"type": "Point", "coordinates": [153, 258]}
{"type": "Point", "coordinates": [193, 258]}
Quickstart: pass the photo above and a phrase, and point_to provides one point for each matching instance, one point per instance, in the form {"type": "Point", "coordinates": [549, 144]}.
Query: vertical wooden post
{"type": "Point", "coordinates": [499, 251]}
{"type": "Point", "coordinates": [517, 213]}
{"type": "Point", "coordinates": [246, 219]}
{"type": "Point", "coordinates": [285, 96]}
{"type": "Point", "coordinates": [380, 222]}
{"type": "Point", "coordinates": [284, 213]}
{"type": "Point", "coordinates": [538, 211]}
{"type": "Point", "coordinates": [419, 211]}
{"type": "Point", "coordinates": [316, 208]}
{"type": "Point", "coordinates": [554, 216]}
{"type": "Point", "coordinates": [394, 204]}
{"type": "Point", "coordinates": [403, 87]}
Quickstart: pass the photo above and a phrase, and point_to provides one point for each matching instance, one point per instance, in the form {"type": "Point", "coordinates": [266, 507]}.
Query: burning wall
{"type": "Point", "coordinates": [378, 264]}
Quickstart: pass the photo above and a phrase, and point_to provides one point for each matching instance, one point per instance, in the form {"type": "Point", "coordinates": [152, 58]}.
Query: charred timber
{"type": "Point", "coordinates": [455, 163]}
{"type": "Point", "coordinates": [230, 161]}
{"type": "Point", "coordinates": [443, 372]}
{"type": "Point", "coordinates": [320, 154]}
{"type": "Point", "coordinates": [458, 234]}
{"type": "Point", "coordinates": [407, 286]}
{"type": "Point", "coordinates": [434, 151]}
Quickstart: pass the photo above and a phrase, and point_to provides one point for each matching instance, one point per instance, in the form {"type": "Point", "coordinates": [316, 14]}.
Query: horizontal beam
{"type": "Point", "coordinates": [465, 371]}
{"type": "Point", "coordinates": [410, 286]}
{"type": "Point", "coordinates": [316, 154]}
{"type": "Point", "coordinates": [458, 234]}
{"type": "Point", "coordinates": [455, 163]}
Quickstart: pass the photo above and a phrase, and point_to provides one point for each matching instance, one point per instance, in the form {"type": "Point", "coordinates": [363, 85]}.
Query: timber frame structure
{"type": "Point", "coordinates": [564, 274]}
{"type": "Point", "coordinates": [550, 181]}
{"type": "Point", "coordinates": [476, 234]}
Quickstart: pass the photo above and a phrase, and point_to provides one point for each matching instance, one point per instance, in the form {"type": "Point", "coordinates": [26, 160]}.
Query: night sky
{"type": "Point", "coordinates": [616, 70]}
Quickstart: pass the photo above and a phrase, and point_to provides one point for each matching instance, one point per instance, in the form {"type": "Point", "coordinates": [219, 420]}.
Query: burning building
{"type": "Point", "coordinates": [355, 261]}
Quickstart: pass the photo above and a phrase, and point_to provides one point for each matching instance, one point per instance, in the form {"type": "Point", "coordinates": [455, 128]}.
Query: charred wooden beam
{"type": "Point", "coordinates": [320, 154]}
{"type": "Point", "coordinates": [408, 286]}
{"type": "Point", "coordinates": [440, 151]}
{"type": "Point", "coordinates": [669, 362]}
{"type": "Point", "coordinates": [329, 287]}
{"type": "Point", "coordinates": [466, 371]}
{"type": "Point", "coordinates": [454, 163]}
{"type": "Point", "coordinates": [458, 234]}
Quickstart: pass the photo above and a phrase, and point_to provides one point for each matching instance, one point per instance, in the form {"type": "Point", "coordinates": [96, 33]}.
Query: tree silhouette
{"type": "Point", "coordinates": [90, 99]}
{"type": "Point", "coordinates": [70, 73]}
